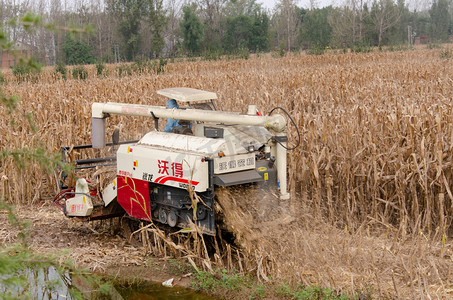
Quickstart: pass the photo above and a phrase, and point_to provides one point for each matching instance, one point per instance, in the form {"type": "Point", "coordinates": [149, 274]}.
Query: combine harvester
{"type": "Point", "coordinates": [172, 177]}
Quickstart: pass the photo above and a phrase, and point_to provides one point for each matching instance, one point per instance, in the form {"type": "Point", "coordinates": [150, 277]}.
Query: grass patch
{"type": "Point", "coordinates": [179, 268]}
{"type": "Point", "coordinates": [223, 279]}
{"type": "Point", "coordinates": [235, 285]}
{"type": "Point", "coordinates": [302, 292]}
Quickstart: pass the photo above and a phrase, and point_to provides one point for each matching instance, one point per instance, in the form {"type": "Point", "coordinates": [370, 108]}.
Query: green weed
{"type": "Point", "coordinates": [61, 68]}
{"type": "Point", "coordinates": [100, 69]}
{"type": "Point", "coordinates": [302, 292]}
{"type": "Point", "coordinates": [446, 54]}
{"type": "Point", "coordinates": [80, 73]}
{"type": "Point", "coordinates": [123, 70]}
{"type": "Point", "coordinates": [317, 50]}
{"type": "Point", "coordinates": [27, 70]}
{"type": "Point", "coordinates": [219, 279]}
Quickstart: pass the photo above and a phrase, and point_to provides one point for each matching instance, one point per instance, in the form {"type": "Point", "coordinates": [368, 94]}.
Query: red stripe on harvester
{"type": "Point", "coordinates": [182, 180]}
{"type": "Point", "coordinates": [158, 178]}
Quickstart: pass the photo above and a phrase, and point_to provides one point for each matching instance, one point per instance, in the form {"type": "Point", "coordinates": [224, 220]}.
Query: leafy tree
{"type": "Point", "coordinates": [238, 33]}
{"type": "Point", "coordinates": [260, 32]}
{"type": "Point", "coordinates": [235, 8]}
{"type": "Point", "coordinates": [245, 25]}
{"type": "Point", "coordinates": [342, 22]}
{"type": "Point", "coordinates": [315, 29]}
{"type": "Point", "coordinates": [369, 34]}
{"type": "Point", "coordinates": [399, 34]}
{"type": "Point", "coordinates": [211, 13]}
{"type": "Point", "coordinates": [128, 14]}
{"type": "Point", "coordinates": [100, 69]}
{"type": "Point", "coordinates": [192, 30]}
{"type": "Point", "coordinates": [440, 20]}
{"type": "Point", "coordinates": [76, 52]}
{"type": "Point", "coordinates": [157, 22]}
{"type": "Point", "coordinates": [245, 31]}
{"type": "Point", "coordinates": [421, 23]}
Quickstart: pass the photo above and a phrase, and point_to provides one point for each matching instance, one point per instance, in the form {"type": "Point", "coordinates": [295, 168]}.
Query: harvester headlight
{"type": "Point", "coordinates": [221, 154]}
{"type": "Point", "coordinates": [251, 148]}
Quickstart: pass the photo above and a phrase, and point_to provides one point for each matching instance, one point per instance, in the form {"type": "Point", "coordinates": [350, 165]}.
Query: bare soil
{"type": "Point", "coordinates": [99, 246]}
{"type": "Point", "coordinates": [300, 248]}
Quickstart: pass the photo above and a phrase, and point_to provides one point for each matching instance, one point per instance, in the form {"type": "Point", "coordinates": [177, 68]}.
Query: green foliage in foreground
{"type": "Point", "coordinates": [21, 268]}
{"type": "Point", "coordinates": [47, 161]}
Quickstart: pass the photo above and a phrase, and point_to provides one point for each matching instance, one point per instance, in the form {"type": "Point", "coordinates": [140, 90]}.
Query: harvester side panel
{"type": "Point", "coordinates": [234, 163]}
{"type": "Point", "coordinates": [160, 166]}
{"type": "Point", "coordinates": [133, 196]}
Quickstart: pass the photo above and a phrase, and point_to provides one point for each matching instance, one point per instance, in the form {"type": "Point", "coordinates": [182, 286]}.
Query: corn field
{"type": "Point", "coordinates": [377, 137]}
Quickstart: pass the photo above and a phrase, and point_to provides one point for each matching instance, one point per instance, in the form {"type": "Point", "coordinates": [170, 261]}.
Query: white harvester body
{"type": "Point", "coordinates": [155, 176]}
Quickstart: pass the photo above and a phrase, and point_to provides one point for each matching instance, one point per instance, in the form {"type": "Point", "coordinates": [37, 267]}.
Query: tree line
{"type": "Point", "coordinates": [127, 30]}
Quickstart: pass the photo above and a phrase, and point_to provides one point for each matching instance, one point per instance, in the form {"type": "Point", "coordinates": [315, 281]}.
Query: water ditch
{"type": "Point", "coordinates": [48, 283]}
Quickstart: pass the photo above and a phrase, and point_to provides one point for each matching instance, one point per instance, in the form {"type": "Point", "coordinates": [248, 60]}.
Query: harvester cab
{"type": "Point", "coordinates": [189, 99]}
{"type": "Point", "coordinates": [172, 177]}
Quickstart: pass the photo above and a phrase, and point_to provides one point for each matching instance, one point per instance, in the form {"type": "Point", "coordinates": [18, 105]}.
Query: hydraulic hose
{"type": "Point", "coordinates": [292, 121]}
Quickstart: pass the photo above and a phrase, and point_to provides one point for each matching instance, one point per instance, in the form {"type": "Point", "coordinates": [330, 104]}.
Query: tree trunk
{"type": "Point", "coordinates": [381, 26]}
{"type": "Point", "coordinates": [360, 21]}
{"type": "Point", "coordinates": [289, 31]}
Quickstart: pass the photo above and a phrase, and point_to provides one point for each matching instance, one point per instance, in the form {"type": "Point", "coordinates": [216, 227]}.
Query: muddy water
{"type": "Point", "coordinates": [38, 284]}
{"type": "Point", "coordinates": [50, 284]}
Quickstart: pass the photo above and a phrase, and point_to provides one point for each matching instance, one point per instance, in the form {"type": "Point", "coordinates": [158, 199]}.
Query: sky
{"type": "Point", "coordinates": [269, 4]}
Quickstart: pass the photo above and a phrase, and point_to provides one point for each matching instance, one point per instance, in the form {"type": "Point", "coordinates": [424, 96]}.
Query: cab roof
{"type": "Point", "coordinates": [184, 94]}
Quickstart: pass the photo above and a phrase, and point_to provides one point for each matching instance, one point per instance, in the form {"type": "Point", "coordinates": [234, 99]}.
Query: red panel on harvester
{"type": "Point", "coordinates": [133, 196]}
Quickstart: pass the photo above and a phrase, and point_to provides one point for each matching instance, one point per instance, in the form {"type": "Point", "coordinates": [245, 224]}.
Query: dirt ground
{"type": "Point", "coordinates": [301, 250]}
{"type": "Point", "coordinates": [99, 246]}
